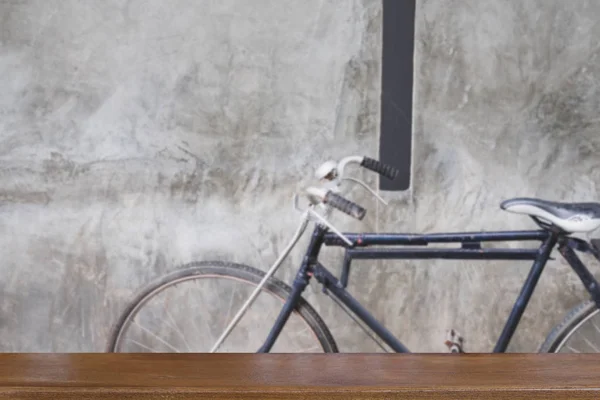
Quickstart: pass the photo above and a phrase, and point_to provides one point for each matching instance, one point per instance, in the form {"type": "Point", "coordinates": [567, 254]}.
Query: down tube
{"type": "Point", "coordinates": [327, 279]}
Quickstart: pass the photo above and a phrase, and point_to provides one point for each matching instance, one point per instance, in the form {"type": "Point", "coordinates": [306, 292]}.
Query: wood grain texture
{"type": "Point", "coordinates": [348, 376]}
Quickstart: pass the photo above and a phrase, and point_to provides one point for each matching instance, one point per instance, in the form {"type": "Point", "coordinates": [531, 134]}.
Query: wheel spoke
{"type": "Point", "coordinates": [595, 326]}
{"type": "Point", "coordinates": [572, 349]}
{"type": "Point", "coordinates": [156, 336]}
{"type": "Point", "coordinates": [173, 324]}
{"type": "Point", "coordinates": [143, 346]}
{"type": "Point", "coordinates": [576, 325]}
{"type": "Point", "coordinates": [195, 325]}
{"type": "Point", "coordinates": [591, 345]}
{"type": "Point", "coordinates": [176, 328]}
{"type": "Point", "coordinates": [210, 334]}
{"type": "Point", "coordinates": [302, 331]}
{"type": "Point", "coordinates": [233, 293]}
{"type": "Point", "coordinates": [171, 310]}
{"type": "Point", "coordinates": [310, 349]}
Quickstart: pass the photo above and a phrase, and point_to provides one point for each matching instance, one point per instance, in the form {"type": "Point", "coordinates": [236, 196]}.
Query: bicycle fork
{"type": "Point", "coordinates": [259, 287]}
{"type": "Point", "coordinates": [300, 283]}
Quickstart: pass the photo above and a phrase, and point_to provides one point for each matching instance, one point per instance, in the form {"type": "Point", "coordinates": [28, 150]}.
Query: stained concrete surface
{"type": "Point", "coordinates": [505, 106]}
{"type": "Point", "coordinates": [139, 135]}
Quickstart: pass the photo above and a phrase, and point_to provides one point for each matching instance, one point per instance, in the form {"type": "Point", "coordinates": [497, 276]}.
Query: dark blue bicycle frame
{"type": "Point", "coordinates": [470, 249]}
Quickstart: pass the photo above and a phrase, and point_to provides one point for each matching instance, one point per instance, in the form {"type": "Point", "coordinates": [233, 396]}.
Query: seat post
{"type": "Point", "coordinates": [588, 280]}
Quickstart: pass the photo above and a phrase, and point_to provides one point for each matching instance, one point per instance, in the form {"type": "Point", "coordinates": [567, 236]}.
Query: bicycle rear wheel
{"type": "Point", "coordinates": [188, 309]}
{"type": "Point", "coordinates": [579, 332]}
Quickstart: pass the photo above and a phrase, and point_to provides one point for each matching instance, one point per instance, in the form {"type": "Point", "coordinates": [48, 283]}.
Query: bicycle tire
{"type": "Point", "coordinates": [569, 325]}
{"type": "Point", "coordinates": [226, 269]}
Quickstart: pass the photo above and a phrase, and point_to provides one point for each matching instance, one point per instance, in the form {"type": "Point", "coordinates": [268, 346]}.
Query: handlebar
{"type": "Point", "coordinates": [344, 205]}
{"type": "Point", "coordinates": [333, 172]}
{"type": "Point", "coordinates": [382, 169]}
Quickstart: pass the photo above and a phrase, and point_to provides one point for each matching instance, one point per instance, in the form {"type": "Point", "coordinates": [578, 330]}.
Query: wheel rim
{"type": "Point", "coordinates": [580, 336]}
{"type": "Point", "coordinates": [153, 326]}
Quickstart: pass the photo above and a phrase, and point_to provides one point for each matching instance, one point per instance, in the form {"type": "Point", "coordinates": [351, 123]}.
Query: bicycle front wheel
{"type": "Point", "coordinates": [188, 309]}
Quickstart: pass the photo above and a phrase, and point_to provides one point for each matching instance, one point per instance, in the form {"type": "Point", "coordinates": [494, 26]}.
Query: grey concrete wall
{"type": "Point", "coordinates": [139, 135]}
{"type": "Point", "coordinates": [506, 102]}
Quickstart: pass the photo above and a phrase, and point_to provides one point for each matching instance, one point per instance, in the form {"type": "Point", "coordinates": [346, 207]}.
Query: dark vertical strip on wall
{"type": "Point", "coordinates": [395, 141]}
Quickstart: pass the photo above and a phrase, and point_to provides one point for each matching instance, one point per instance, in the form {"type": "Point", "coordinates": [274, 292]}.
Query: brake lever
{"type": "Point", "coordinates": [312, 205]}
{"type": "Point", "coordinates": [368, 188]}
{"type": "Point", "coordinates": [296, 207]}
{"type": "Point", "coordinates": [310, 209]}
{"type": "Point", "coordinates": [322, 220]}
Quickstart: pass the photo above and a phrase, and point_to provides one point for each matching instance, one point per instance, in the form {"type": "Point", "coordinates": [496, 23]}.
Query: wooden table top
{"type": "Point", "coordinates": [304, 376]}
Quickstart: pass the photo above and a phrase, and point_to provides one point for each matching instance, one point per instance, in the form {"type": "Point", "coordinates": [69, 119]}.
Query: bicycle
{"type": "Point", "coordinates": [556, 222]}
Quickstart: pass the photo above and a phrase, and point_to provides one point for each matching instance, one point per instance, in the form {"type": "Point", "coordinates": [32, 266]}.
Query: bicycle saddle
{"type": "Point", "coordinates": [570, 217]}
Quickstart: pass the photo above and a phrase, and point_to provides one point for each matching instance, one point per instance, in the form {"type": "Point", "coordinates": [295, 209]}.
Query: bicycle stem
{"type": "Point", "coordinates": [270, 272]}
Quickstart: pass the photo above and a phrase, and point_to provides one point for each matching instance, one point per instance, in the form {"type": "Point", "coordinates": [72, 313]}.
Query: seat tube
{"type": "Point", "coordinates": [586, 277]}
{"type": "Point", "coordinates": [526, 291]}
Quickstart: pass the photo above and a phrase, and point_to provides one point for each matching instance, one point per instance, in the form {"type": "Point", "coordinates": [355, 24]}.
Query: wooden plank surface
{"type": "Point", "coordinates": [319, 376]}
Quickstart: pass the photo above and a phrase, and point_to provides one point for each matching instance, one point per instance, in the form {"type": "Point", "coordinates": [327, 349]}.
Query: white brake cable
{"type": "Point", "coordinates": [346, 161]}
{"type": "Point", "coordinates": [334, 173]}
{"type": "Point", "coordinates": [306, 216]}
{"type": "Point", "coordinates": [366, 187]}
{"type": "Point", "coordinates": [320, 218]}
{"type": "Point", "coordinates": [268, 274]}
{"type": "Point", "coordinates": [324, 221]}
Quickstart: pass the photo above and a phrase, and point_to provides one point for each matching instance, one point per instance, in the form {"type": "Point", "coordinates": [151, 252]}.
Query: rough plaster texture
{"type": "Point", "coordinates": [139, 135]}
{"type": "Point", "coordinates": [506, 101]}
